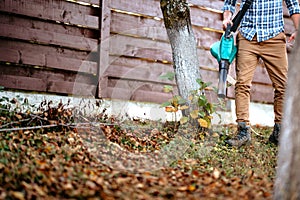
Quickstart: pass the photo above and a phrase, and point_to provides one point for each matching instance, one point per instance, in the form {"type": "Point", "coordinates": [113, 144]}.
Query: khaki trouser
{"type": "Point", "coordinates": [273, 53]}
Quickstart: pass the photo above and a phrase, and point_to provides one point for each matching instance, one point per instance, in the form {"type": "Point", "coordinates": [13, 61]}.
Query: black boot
{"type": "Point", "coordinates": [243, 135]}
{"type": "Point", "coordinates": [274, 137]}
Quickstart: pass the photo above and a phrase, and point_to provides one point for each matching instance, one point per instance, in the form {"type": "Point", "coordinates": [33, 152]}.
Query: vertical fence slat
{"type": "Point", "coordinates": [105, 20]}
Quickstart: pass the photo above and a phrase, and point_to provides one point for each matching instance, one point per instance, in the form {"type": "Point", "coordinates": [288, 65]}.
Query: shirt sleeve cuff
{"type": "Point", "coordinates": [229, 7]}
{"type": "Point", "coordinates": [294, 10]}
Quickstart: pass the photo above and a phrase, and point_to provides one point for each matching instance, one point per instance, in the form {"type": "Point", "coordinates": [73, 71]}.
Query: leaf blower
{"type": "Point", "coordinates": [225, 50]}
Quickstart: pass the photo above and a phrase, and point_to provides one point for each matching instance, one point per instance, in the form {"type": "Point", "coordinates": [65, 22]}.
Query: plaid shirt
{"type": "Point", "coordinates": [263, 18]}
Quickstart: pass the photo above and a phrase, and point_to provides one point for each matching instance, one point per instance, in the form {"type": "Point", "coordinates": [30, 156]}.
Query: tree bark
{"type": "Point", "coordinates": [287, 185]}
{"type": "Point", "coordinates": [177, 21]}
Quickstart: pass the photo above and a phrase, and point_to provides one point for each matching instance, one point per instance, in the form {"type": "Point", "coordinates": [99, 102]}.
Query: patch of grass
{"type": "Point", "coordinates": [259, 157]}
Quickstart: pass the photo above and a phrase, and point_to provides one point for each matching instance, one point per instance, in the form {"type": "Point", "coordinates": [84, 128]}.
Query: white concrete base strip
{"type": "Point", "coordinates": [261, 114]}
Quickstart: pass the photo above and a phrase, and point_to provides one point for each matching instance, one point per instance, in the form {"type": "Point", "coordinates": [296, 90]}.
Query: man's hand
{"type": "Point", "coordinates": [226, 22]}
{"type": "Point", "coordinates": [227, 19]}
{"type": "Point", "coordinates": [296, 20]}
{"type": "Point", "coordinates": [293, 36]}
{"type": "Point", "coordinates": [291, 41]}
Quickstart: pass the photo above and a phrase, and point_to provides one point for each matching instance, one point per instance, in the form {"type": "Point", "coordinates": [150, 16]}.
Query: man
{"type": "Point", "coordinates": [261, 35]}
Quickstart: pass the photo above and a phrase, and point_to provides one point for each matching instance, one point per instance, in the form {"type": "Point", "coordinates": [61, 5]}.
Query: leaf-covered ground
{"type": "Point", "coordinates": [132, 159]}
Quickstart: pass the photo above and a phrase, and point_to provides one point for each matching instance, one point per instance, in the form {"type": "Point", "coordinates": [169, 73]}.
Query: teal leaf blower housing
{"type": "Point", "coordinates": [224, 49]}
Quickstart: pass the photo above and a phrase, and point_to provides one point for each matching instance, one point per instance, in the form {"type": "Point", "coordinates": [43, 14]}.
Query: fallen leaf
{"type": "Point", "coordinates": [203, 123]}
{"type": "Point", "coordinates": [18, 116]}
{"type": "Point", "coordinates": [216, 173]}
{"type": "Point", "coordinates": [68, 186]}
{"type": "Point", "coordinates": [182, 188]}
{"type": "Point", "coordinates": [18, 195]}
{"type": "Point", "coordinates": [194, 114]}
{"type": "Point", "coordinates": [192, 188]}
{"type": "Point", "coordinates": [170, 109]}
{"type": "Point", "coordinates": [91, 184]}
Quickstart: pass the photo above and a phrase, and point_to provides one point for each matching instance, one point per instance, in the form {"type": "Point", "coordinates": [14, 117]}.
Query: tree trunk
{"type": "Point", "coordinates": [287, 185]}
{"type": "Point", "coordinates": [183, 43]}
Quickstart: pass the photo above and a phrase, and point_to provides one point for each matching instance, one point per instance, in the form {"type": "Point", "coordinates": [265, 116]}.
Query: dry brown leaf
{"type": "Point", "coordinates": [183, 188]}
{"type": "Point", "coordinates": [194, 114]}
{"type": "Point", "coordinates": [18, 116]}
{"type": "Point", "coordinates": [171, 109]}
{"type": "Point", "coordinates": [91, 184]}
{"type": "Point", "coordinates": [192, 188]}
{"type": "Point", "coordinates": [203, 123]}
{"type": "Point", "coordinates": [39, 190]}
{"type": "Point", "coordinates": [216, 173]}
{"type": "Point", "coordinates": [68, 186]}
{"type": "Point", "coordinates": [18, 195]}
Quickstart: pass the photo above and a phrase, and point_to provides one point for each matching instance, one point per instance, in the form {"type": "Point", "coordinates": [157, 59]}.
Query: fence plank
{"type": "Point", "coordinates": [41, 72]}
{"type": "Point", "coordinates": [133, 85]}
{"type": "Point", "coordinates": [153, 50]}
{"type": "Point", "coordinates": [9, 55]}
{"type": "Point", "coordinates": [22, 21]}
{"type": "Point", "coordinates": [33, 54]}
{"type": "Point", "coordinates": [138, 25]}
{"type": "Point", "coordinates": [199, 17]}
{"type": "Point", "coordinates": [22, 83]}
{"type": "Point", "coordinates": [205, 38]}
{"type": "Point", "coordinates": [37, 79]}
{"type": "Point", "coordinates": [206, 59]}
{"type": "Point", "coordinates": [206, 18]}
{"type": "Point", "coordinates": [144, 7]}
{"type": "Point", "coordinates": [39, 85]}
{"type": "Point", "coordinates": [72, 88]}
{"type": "Point", "coordinates": [210, 4]}
{"type": "Point", "coordinates": [124, 87]}
{"type": "Point", "coordinates": [139, 73]}
{"type": "Point", "coordinates": [136, 62]}
{"type": "Point", "coordinates": [72, 64]}
{"type": "Point", "coordinates": [139, 47]}
{"type": "Point", "coordinates": [50, 61]}
{"type": "Point", "coordinates": [127, 90]}
{"type": "Point", "coordinates": [48, 37]}
{"type": "Point", "coordinates": [93, 2]}
{"type": "Point", "coordinates": [154, 29]}
{"type": "Point", "coordinates": [44, 49]}
{"type": "Point", "coordinates": [136, 90]}
{"type": "Point", "coordinates": [55, 10]}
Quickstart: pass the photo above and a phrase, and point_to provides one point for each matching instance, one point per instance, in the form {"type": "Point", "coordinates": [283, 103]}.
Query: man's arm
{"type": "Point", "coordinates": [227, 18]}
{"type": "Point", "coordinates": [228, 9]}
{"type": "Point", "coordinates": [296, 20]}
{"type": "Point", "coordinates": [294, 11]}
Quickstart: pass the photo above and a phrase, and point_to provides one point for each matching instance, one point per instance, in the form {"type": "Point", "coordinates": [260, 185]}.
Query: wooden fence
{"type": "Point", "coordinates": [49, 46]}
{"type": "Point", "coordinates": [108, 48]}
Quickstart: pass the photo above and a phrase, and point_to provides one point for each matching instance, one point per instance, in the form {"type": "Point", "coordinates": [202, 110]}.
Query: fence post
{"type": "Point", "coordinates": [104, 28]}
